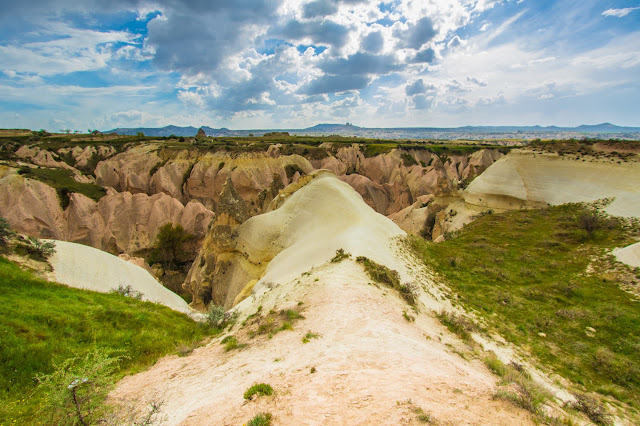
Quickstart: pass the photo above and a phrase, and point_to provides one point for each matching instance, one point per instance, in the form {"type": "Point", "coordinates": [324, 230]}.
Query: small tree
{"type": "Point", "coordinates": [170, 242]}
{"type": "Point", "coordinates": [77, 389]}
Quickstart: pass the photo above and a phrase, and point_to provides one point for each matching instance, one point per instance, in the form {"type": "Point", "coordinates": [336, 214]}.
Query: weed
{"type": "Point", "coordinates": [313, 370]}
{"type": "Point", "coordinates": [340, 256]}
{"type": "Point", "coordinates": [383, 275]}
{"type": "Point", "coordinates": [408, 317]}
{"type": "Point", "coordinates": [258, 389]}
{"type": "Point", "coordinates": [230, 343]}
{"type": "Point", "coordinates": [128, 291]}
{"type": "Point", "coordinates": [423, 416]}
{"type": "Point", "coordinates": [307, 337]}
{"type": "Point", "coordinates": [458, 324]}
{"type": "Point", "coordinates": [262, 419]}
{"type": "Point", "coordinates": [592, 408]}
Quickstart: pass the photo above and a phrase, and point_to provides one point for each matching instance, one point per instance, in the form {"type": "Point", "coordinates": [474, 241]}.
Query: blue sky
{"type": "Point", "coordinates": [87, 64]}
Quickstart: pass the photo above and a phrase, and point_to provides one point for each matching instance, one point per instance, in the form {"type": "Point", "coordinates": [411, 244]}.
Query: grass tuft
{"type": "Point", "coordinates": [258, 389]}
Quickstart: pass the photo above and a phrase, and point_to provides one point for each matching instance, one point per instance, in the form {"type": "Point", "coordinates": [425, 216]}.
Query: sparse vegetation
{"type": "Point", "coordinates": [63, 182]}
{"type": "Point", "coordinates": [34, 248]}
{"type": "Point", "coordinates": [128, 291]}
{"type": "Point", "coordinates": [517, 386]}
{"type": "Point", "coordinates": [307, 337]}
{"type": "Point", "coordinates": [458, 324]}
{"type": "Point", "coordinates": [590, 406]}
{"type": "Point", "coordinates": [273, 322]}
{"type": "Point", "coordinates": [258, 389]}
{"type": "Point", "coordinates": [262, 419]}
{"type": "Point", "coordinates": [536, 292]}
{"type": "Point", "coordinates": [340, 256]}
{"type": "Point", "coordinates": [390, 278]}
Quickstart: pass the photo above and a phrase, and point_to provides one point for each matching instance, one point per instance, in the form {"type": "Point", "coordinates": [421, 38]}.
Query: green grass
{"type": "Point", "coordinates": [42, 323]}
{"type": "Point", "coordinates": [63, 182]}
{"type": "Point", "coordinates": [262, 419]}
{"type": "Point", "coordinates": [525, 273]}
{"type": "Point", "coordinates": [390, 278]}
{"type": "Point", "coordinates": [258, 389]}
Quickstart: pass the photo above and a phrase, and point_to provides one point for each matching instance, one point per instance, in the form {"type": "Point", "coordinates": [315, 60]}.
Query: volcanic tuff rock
{"type": "Point", "coordinates": [214, 264]}
{"type": "Point", "coordinates": [128, 171]}
{"type": "Point", "coordinates": [118, 223]}
{"type": "Point", "coordinates": [319, 215]}
{"type": "Point", "coordinates": [77, 265]}
{"type": "Point", "coordinates": [524, 179]}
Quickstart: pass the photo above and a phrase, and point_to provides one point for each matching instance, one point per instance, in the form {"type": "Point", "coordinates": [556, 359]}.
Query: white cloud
{"type": "Point", "coordinates": [619, 13]}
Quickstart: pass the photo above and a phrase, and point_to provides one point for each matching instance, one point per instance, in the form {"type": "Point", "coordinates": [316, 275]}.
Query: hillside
{"type": "Point", "coordinates": [329, 339]}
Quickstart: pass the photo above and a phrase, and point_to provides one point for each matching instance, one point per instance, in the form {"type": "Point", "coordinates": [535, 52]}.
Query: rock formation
{"type": "Point", "coordinates": [79, 266]}
{"type": "Point", "coordinates": [524, 179]}
{"type": "Point", "coordinates": [307, 223]}
{"type": "Point", "coordinates": [214, 267]}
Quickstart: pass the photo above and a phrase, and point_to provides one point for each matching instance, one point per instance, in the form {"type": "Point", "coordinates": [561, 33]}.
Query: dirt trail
{"type": "Point", "coordinates": [372, 365]}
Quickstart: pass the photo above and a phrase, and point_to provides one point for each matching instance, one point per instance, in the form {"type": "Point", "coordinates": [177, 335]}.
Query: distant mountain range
{"type": "Point", "coordinates": [605, 130]}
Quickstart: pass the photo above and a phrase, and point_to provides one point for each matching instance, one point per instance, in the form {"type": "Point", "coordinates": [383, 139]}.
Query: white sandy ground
{"type": "Point", "coordinates": [85, 267]}
{"type": "Point", "coordinates": [629, 255]}
{"type": "Point", "coordinates": [526, 179]}
{"type": "Point", "coordinates": [370, 361]}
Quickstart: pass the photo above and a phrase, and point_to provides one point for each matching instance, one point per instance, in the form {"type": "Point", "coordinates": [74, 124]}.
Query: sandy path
{"type": "Point", "coordinates": [370, 362]}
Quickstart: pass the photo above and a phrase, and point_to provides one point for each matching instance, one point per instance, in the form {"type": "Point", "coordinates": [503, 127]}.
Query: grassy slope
{"type": "Point", "coordinates": [61, 179]}
{"type": "Point", "coordinates": [524, 273]}
{"type": "Point", "coordinates": [42, 323]}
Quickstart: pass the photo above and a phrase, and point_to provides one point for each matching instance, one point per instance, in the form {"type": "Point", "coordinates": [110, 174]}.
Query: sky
{"type": "Point", "coordinates": [257, 64]}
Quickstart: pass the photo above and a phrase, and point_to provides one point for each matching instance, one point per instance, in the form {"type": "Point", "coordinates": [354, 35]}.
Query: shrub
{"type": "Point", "coordinates": [77, 388]}
{"type": "Point", "coordinates": [215, 315]}
{"type": "Point", "coordinates": [36, 249]}
{"type": "Point", "coordinates": [5, 232]}
{"type": "Point", "coordinates": [340, 256]}
{"type": "Point", "coordinates": [409, 293]}
{"type": "Point", "coordinates": [380, 273]}
{"type": "Point", "coordinates": [291, 169]}
{"type": "Point", "coordinates": [307, 338]}
{"type": "Point", "coordinates": [592, 408]}
{"type": "Point", "coordinates": [128, 291]}
{"type": "Point", "coordinates": [262, 419]}
{"type": "Point", "coordinates": [170, 241]}
{"type": "Point", "coordinates": [258, 389]}
{"type": "Point", "coordinates": [457, 324]}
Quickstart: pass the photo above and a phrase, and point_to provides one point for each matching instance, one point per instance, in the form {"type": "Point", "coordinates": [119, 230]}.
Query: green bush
{"type": "Point", "coordinates": [76, 389]}
{"type": "Point", "coordinates": [258, 389]}
{"type": "Point", "coordinates": [215, 315]}
{"type": "Point", "coordinates": [262, 419]}
{"type": "Point", "coordinates": [340, 256]}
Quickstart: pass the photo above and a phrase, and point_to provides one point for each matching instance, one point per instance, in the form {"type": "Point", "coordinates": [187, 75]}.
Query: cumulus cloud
{"type": "Point", "coordinates": [416, 87]}
{"type": "Point", "coordinates": [373, 42]}
{"type": "Point", "coordinates": [319, 8]}
{"type": "Point", "coordinates": [424, 56]}
{"type": "Point", "coordinates": [316, 32]}
{"type": "Point", "coordinates": [335, 83]}
{"type": "Point", "coordinates": [416, 34]}
{"type": "Point", "coordinates": [361, 63]}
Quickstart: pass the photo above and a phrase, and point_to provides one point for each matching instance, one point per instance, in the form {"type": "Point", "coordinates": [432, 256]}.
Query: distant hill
{"type": "Point", "coordinates": [604, 130]}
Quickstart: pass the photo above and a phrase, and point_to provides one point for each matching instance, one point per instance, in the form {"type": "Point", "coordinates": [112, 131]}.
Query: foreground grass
{"type": "Point", "coordinates": [42, 323]}
{"type": "Point", "coordinates": [524, 272]}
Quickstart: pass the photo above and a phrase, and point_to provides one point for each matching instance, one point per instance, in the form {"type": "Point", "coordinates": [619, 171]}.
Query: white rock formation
{"type": "Point", "coordinates": [85, 267]}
